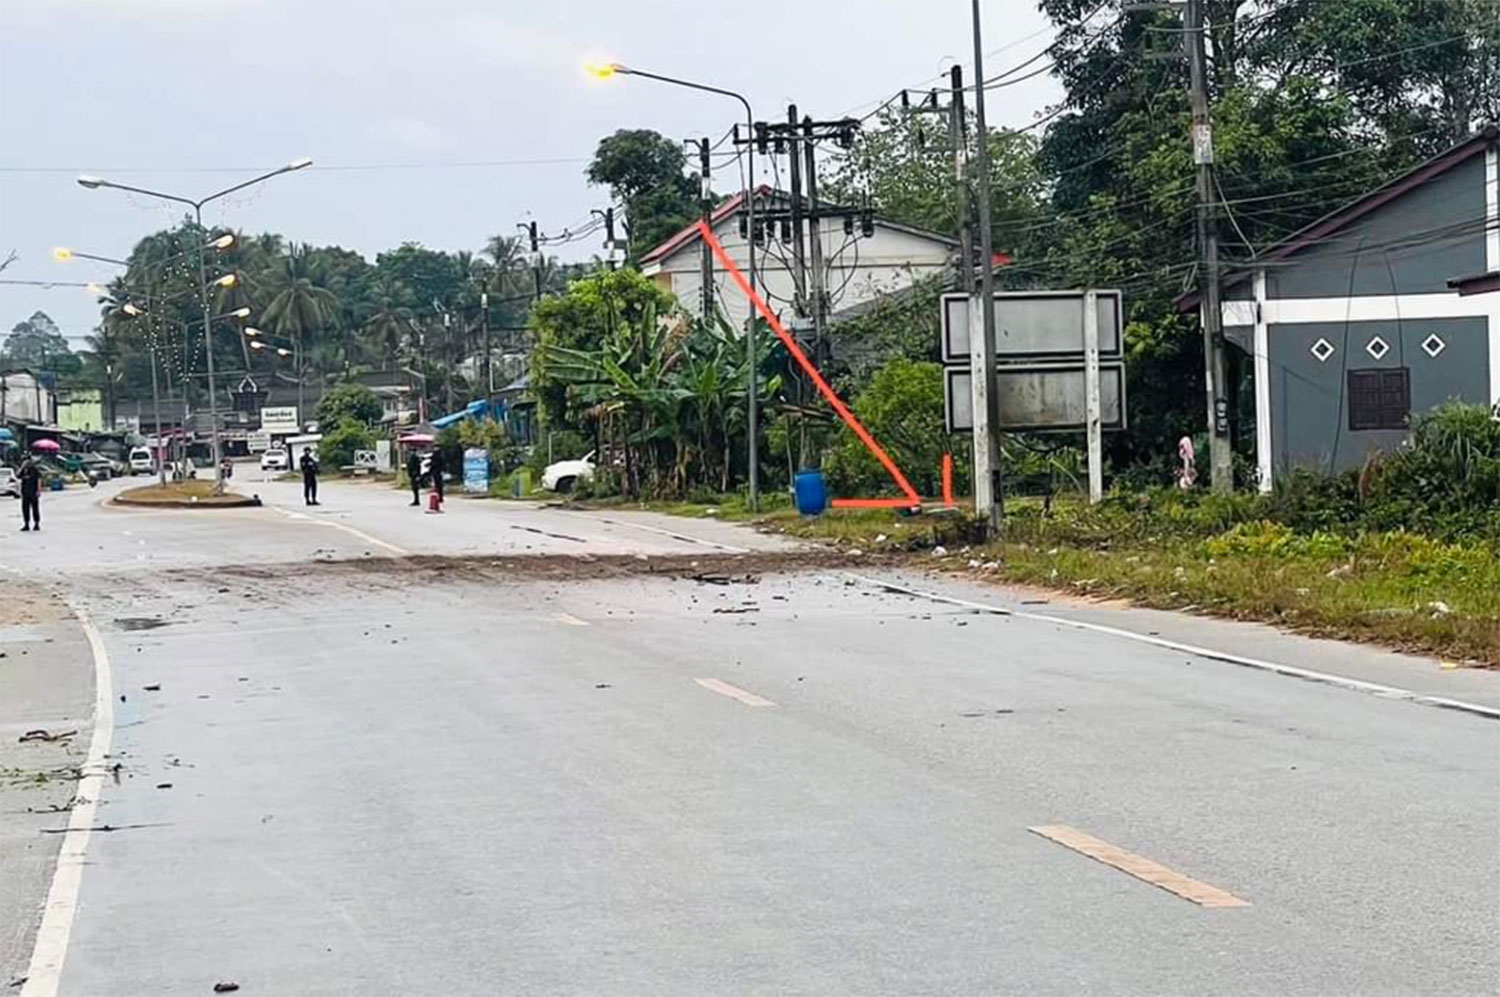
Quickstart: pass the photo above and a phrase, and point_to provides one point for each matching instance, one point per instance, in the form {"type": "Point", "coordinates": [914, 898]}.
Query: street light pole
{"type": "Point", "coordinates": [753, 402]}
{"type": "Point", "coordinates": [94, 183]}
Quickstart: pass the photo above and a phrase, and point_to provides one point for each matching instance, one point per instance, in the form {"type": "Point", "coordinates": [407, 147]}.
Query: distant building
{"type": "Point", "coordinates": [400, 392]}
{"type": "Point", "coordinates": [27, 397]}
{"type": "Point", "coordinates": [1382, 310]}
{"type": "Point", "coordinates": [858, 267]}
{"type": "Point", "coordinates": [80, 410]}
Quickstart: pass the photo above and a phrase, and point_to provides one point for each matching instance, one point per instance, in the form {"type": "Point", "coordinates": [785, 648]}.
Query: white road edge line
{"type": "Point", "coordinates": [303, 517]}
{"type": "Point", "coordinates": [570, 619]}
{"type": "Point", "coordinates": [1307, 674]}
{"type": "Point", "coordinates": [45, 971]}
{"type": "Point", "coordinates": [728, 548]}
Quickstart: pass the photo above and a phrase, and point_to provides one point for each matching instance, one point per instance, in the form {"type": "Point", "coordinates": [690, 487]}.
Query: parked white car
{"type": "Point", "coordinates": [563, 475]}
{"type": "Point", "coordinates": [274, 460]}
{"type": "Point", "coordinates": [9, 483]}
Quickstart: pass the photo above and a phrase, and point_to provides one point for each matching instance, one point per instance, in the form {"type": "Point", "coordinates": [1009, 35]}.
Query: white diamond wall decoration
{"type": "Point", "coordinates": [1433, 345]}
{"type": "Point", "coordinates": [1321, 350]}
{"type": "Point", "coordinates": [1377, 347]}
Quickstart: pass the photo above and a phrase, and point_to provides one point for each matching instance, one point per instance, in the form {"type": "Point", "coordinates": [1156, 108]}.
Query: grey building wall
{"type": "Point", "coordinates": [1441, 223]}
{"type": "Point", "coordinates": [1310, 418]}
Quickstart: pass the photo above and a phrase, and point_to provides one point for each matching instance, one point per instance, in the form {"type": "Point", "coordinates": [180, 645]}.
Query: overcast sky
{"type": "Point", "coordinates": [436, 121]}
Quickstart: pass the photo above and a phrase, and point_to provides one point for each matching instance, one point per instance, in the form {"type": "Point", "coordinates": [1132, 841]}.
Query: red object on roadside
{"type": "Point", "coordinates": [434, 502]}
{"type": "Point", "coordinates": [948, 480]}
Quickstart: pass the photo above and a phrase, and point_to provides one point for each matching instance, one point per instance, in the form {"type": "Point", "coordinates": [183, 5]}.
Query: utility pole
{"type": "Point", "coordinates": [1215, 378]}
{"type": "Point", "coordinates": [536, 256]}
{"type": "Point", "coordinates": [988, 483]}
{"type": "Point", "coordinates": [608, 217]}
{"type": "Point", "coordinates": [799, 250]}
{"type": "Point", "coordinates": [488, 373]}
{"type": "Point", "coordinates": [706, 206]}
{"type": "Point", "coordinates": [815, 289]}
{"type": "Point", "coordinates": [959, 129]}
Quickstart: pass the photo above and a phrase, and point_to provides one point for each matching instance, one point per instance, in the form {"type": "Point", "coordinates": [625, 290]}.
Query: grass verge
{"type": "Point", "coordinates": [175, 494]}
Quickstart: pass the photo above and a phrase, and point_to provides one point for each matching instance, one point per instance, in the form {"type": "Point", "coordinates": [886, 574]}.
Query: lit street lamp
{"type": "Point", "coordinates": [607, 70]}
{"type": "Point", "coordinates": [94, 183]}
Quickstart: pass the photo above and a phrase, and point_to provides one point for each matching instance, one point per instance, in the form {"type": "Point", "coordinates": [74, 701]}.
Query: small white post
{"type": "Point", "coordinates": [1092, 417]}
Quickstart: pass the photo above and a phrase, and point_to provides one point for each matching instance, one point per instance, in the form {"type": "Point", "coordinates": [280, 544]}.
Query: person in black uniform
{"type": "Point", "coordinates": [414, 476]}
{"type": "Point", "coordinates": [309, 465]}
{"type": "Point", "coordinates": [31, 490]}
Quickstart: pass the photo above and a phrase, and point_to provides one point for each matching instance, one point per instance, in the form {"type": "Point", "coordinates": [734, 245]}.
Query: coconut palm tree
{"type": "Point", "coordinates": [391, 319]}
{"type": "Point", "coordinates": [301, 308]}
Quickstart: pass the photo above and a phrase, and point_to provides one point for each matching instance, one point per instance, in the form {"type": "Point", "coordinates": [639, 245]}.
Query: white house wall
{"type": "Point", "coordinates": [867, 268]}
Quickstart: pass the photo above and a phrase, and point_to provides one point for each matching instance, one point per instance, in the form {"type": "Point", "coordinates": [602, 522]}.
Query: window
{"type": "Point", "coordinates": [1380, 399]}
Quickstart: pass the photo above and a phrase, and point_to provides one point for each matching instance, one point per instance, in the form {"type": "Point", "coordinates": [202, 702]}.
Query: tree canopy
{"type": "Point", "coordinates": [644, 172]}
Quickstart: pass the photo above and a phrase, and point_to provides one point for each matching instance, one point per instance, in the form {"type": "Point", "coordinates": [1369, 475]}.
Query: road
{"type": "Point", "coordinates": [366, 750]}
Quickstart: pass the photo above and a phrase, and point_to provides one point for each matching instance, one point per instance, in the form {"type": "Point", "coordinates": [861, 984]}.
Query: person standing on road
{"type": "Point", "coordinates": [31, 491]}
{"type": "Point", "coordinates": [414, 476]}
{"type": "Point", "coordinates": [309, 465]}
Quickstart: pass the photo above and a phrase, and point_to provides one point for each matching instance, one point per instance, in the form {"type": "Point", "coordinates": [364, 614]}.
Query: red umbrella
{"type": "Point", "coordinates": [50, 446]}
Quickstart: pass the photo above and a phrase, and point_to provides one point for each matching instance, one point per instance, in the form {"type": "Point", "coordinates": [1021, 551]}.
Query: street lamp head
{"type": "Point", "coordinates": [282, 351]}
{"type": "Point", "coordinates": [228, 280]}
{"type": "Point", "coordinates": [224, 241]}
{"type": "Point", "coordinates": [94, 289]}
{"type": "Point", "coordinates": [298, 164]}
{"type": "Point", "coordinates": [256, 344]}
{"type": "Point", "coordinates": [243, 312]}
{"type": "Point", "coordinates": [603, 70]}
{"type": "Point", "coordinates": [130, 309]}
{"type": "Point", "coordinates": [62, 254]}
{"type": "Point", "coordinates": [92, 183]}
{"type": "Point", "coordinates": [253, 332]}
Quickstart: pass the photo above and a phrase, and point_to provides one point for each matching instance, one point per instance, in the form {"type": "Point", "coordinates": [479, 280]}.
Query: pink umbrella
{"type": "Point", "coordinates": [418, 439]}
{"type": "Point", "coordinates": [50, 446]}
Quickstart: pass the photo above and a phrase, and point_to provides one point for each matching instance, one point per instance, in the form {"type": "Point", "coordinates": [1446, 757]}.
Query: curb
{"type": "Point", "coordinates": [241, 503]}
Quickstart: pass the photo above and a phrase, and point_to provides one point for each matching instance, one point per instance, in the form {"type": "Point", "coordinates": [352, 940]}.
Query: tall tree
{"type": "Point", "coordinates": [35, 342]}
{"type": "Point", "coordinates": [644, 172]}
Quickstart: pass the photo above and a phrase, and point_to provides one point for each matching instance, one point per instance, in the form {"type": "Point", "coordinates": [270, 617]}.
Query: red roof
{"type": "Point", "coordinates": [689, 232]}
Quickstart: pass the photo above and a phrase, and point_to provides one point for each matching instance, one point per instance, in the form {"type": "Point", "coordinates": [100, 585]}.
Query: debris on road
{"type": "Point", "coordinates": [226, 987]}
{"type": "Point", "coordinates": [43, 735]}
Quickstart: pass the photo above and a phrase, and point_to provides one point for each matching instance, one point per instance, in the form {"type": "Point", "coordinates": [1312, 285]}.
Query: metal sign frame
{"type": "Point", "coordinates": [956, 385]}
{"type": "Point", "coordinates": [1111, 337]}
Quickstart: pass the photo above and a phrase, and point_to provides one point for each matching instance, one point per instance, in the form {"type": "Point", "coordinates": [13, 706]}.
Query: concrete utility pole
{"type": "Point", "coordinates": [1215, 376]}
{"type": "Point", "coordinates": [988, 484]}
{"type": "Point", "coordinates": [799, 247]}
{"type": "Point", "coordinates": [488, 374]}
{"type": "Point", "coordinates": [706, 205]}
{"type": "Point", "coordinates": [608, 217]}
{"type": "Point", "coordinates": [960, 133]}
{"type": "Point", "coordinates": [817, 294]}
{"type": "Point", "coordinates": [536, 256]}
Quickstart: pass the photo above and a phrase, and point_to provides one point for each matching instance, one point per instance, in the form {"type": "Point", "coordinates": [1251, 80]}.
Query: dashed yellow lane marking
{"type": "Point", "coordinates": [1141, 868]}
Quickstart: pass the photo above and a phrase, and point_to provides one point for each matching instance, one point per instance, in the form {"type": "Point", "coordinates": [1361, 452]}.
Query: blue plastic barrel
{"type": "Point", "coordinates": [811, 492]}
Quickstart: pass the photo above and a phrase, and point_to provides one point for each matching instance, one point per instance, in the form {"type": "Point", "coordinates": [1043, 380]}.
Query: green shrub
{"type": "Point", "coordinates": [336, 448]}
{"type": "Point", "coordinates": [903, 409]}
{"type": "Point", "coordinates": [348, 401]}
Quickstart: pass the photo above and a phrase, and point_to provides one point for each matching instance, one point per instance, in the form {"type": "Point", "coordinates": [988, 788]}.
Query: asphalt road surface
{"type": "Point", "coordinates": [359, 749]}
